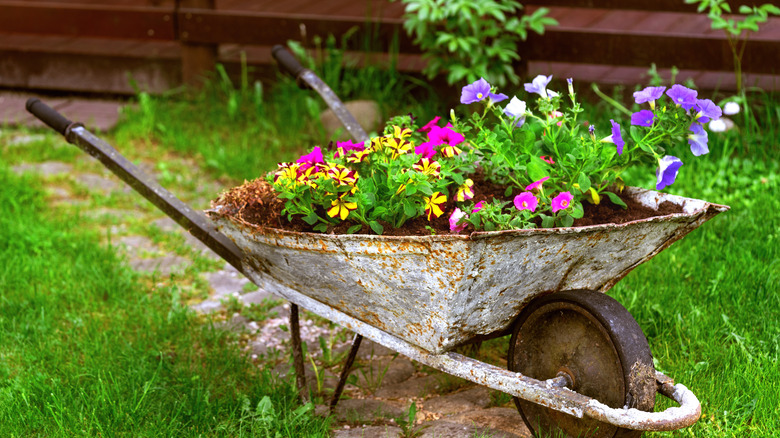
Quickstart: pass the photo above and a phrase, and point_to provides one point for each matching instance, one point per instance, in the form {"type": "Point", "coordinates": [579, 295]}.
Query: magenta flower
{"type": "Point", "coordinates": [313, 157]}
{"type": "Point", "coordinates": [445, 135]}
{"type": "Point", "coordinates": [649, 94]}
{"type": "Point", "coordinates": [456, 216]}
{"type": "Point", "coordinates": [642, 118]}
{"type": "Point", "coordinates": [617, 138]}
{"type": "Point", "coordinates": [427, 149]}
{"type": "Point", "coordinates": [526, 201]}
{"type": "Point", "coordinates": [561, 202]}
{"type": "Point", "coordinates": [539, 85]}
{"type": "Point", "coordinates": [682, 96]}
{"type": "Point", "coordinates": [537, 184]}
{"type": "Point", "coordinates": [698, 140]}
{"type": "Point", "coordinates": [475, 92]}
{"type": "Point", "coordinates": [428, 126]}
{"type": "Point", "coordinates": [668, 166]}
{"type": "Point", "coordinates": [345, 147]}
{"type": "Point", "coordinates": [547, 159]}
{"type": "Point", "coordinates": [478, 206]}
{"type": "Point", "coordinates": [706, 110]}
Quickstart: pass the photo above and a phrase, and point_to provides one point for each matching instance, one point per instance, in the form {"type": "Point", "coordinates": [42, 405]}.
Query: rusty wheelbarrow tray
{"type": "Point", "coordinates": [422, 296]}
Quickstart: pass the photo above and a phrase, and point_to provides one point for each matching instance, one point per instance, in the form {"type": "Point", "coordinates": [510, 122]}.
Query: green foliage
{"type": "Point", "coordinates": [469, 39]}
{"type": "Point", "coordinates": [737, 30]}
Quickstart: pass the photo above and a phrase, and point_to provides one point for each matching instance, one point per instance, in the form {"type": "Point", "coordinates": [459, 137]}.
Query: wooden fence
{"type": "Point", "coordinates": [112, 46]}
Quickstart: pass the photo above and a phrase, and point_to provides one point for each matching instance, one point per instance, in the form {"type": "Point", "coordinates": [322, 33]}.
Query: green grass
{"type": "Point", "coordinates": [710, 305]}
{"type": "Point", "coordinates": [88, 349]}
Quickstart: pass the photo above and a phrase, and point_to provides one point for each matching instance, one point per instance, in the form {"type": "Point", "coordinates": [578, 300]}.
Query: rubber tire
{"type": "Point", "coordinates": [612, 323]}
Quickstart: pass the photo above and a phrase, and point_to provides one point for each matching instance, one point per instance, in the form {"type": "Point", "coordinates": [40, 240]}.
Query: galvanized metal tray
{"type": "Point", "coordinates": [440, 291]}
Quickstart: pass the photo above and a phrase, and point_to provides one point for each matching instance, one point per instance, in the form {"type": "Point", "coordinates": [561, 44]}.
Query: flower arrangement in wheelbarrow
{"type": "Point", "coordinates": [531, 167]}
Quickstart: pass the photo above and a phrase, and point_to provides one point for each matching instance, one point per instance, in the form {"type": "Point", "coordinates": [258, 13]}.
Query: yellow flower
{"type": "Point", "coordinates": [432, 204]}
{"type": "Point", "coordinates": [427, 167]}
{"type": "Point", "coordinates": [449, 150]}
{"type": "Point", "coordinates": [341, 208]}
{"type": "Point", "coordinates": [465, 191]}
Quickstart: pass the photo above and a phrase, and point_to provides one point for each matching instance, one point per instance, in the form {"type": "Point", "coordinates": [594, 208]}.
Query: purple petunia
{"type": "Point", "coordinates": [617, 138]}
{"type": "Point", "coordinates": [682, 96]}
{"type": "Point", "coordinates": [479, 90]}
{"type": "Point", "coordinates": [666, 173]}
{"type": "Point", "coordinates": [475, 92]}
{"type": "Point", "coordinates": [649, 94]}
{"type": "Point", "coordinates": [706, 110]}
{"type": "Point", "coordinates": [698, 140]}
{"type": "Point", "coordinates": [539, 85]}
{"type": "Point", "coordinates": [642, 118]}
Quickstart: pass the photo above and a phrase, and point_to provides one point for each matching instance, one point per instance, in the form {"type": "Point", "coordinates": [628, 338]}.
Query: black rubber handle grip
{"type": "Point", "coordinates": [47, 115]}
{"type": "Point", "coordinates": [287, 60]}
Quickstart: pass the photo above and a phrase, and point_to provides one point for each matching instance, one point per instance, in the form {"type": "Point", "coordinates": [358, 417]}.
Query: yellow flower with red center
{"type": "Point", "coordinates": [377, 144]}
{"type": "Point", "coordinates": [341, 207]}
{"type": "Point", "coordinates": [287, 173]}
{"type": "Point", "coordinates": [398, 146]}
{"type": "Point", "coordinates": [466, 191]}
{"type": "Point", "coordinates": [449, 150]}
{"type": "Point", "coordinates": [342, 175]}
{"type": "Point", "coordinates": [358, 156]}
{"type": "Point", "coordinates": [428, 167]}
{"type": "Point", "coordinates": [432, 204]}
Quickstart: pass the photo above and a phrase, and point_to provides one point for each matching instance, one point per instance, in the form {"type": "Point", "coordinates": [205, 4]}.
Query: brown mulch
{"type": "Point", "coordinates": [255, 202]}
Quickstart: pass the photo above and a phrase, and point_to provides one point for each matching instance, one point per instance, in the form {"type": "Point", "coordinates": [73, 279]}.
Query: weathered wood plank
{"type": "Point", "coordinates": [47, 18]}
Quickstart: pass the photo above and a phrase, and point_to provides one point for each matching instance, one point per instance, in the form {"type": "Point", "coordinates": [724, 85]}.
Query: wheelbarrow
{"type": "Point", "coordinates": [578, 362]}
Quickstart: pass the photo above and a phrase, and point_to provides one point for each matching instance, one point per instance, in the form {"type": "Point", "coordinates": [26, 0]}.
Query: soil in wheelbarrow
{"type": "Point", "coordinates": [255, 202]}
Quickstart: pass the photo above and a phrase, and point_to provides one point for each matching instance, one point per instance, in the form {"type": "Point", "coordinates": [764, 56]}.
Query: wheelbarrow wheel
{"type": "Point", "coordinates": [593, 340]}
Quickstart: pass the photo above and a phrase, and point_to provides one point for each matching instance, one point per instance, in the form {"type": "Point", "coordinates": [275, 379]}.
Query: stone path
{"type": "Point", "coordinates": [382, 386]}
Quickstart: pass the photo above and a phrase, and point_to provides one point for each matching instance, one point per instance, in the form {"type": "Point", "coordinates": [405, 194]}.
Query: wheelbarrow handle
{"type": "Point", "coordinates": [287, 60]}
{"type": "Point", "coordinates": [194, 222]}
{"type": "Point", "coordinates": [48, 115]}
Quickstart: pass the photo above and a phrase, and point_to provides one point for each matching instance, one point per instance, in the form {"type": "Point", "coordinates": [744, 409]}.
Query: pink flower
{"type": "Point", "coordinates": [526, 201]}
{"type": "Point", "coordinates": [561, 202]}
{"type": "Point", "coordinates": [547, 159]}
{"type": "Point", "coordinates": [537, 184]}
{"type": "Point", "coordinates": [428, 126]}
{"type": "Point", "coordinates": [478, 206]}
{"type": "Point", "coordinates": [445, 135]}
{"type": "Point", "coordinates": [345, 147]}
{"type": "Point", "coordinates": [457, 215]}
{"type": "Point", "coordinates": [313, 157]}
{"type": "Point", "coordinates": [427, 149]}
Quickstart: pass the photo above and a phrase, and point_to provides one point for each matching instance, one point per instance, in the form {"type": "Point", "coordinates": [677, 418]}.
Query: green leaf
{"type": "Point", "coordinates": [616, 199]}
{"type": "Point", "coordinates": [322, 228]}
{"type": "Point", "coordinates": [584, 182]}
{"type": "Point", "coordinates": [354, 228]}
{"type": "Point", "coordinates": [409, 208]}
{"type": "Point", "coordinates": [577, 211]}
{"type": "Point", "coordinates": [311, 218]}
{"type": "Point", "coordinates": [548, 221]}
{"type": "Point", "coordinates": [376, 226]}
{"type": "Point", "coordinates": [566, 220]}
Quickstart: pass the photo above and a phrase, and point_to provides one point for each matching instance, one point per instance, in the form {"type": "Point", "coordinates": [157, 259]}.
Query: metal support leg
{"type": "Point", "coordinates": [297, 351]}
{"type": "Point", "coordinates": [345, 372]}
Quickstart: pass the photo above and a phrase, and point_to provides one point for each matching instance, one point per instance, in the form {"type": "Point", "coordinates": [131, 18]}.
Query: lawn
{"type": "Point", "coordinates": [91, 349]}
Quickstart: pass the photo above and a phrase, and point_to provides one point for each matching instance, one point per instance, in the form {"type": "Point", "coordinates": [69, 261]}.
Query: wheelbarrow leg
{"type": "Point", "coordinates": [345, 372]}
{"type": "Point", "coordinates": [295, 334]}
